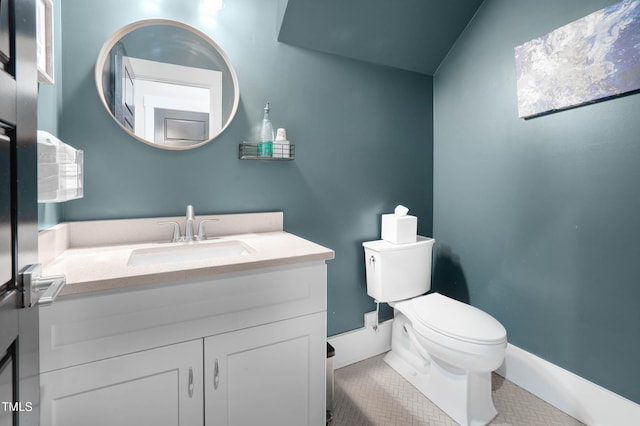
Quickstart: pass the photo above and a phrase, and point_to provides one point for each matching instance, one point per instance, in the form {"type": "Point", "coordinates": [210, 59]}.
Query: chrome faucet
{"type": "Point", "coordinates": [188, 228]}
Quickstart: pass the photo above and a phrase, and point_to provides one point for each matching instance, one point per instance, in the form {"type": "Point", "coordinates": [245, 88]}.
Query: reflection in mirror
{"type": "Point", "coordinates": [167, 84]}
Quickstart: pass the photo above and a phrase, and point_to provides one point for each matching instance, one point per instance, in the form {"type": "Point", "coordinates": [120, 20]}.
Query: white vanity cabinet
{"type": "Point", "coordinates": [241, 348]}
{"type": "Point", "coordinates": [160, 387]}
{"type": "Point", "coordinates": [267, 375]}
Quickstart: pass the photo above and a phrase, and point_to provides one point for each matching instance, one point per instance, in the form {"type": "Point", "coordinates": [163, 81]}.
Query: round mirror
{"type": "Point", "coordinates": [167, 84]}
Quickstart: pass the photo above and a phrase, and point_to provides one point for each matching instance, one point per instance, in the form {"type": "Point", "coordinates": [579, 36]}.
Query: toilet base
{"type": "Point", "coordinates": [464, 396]}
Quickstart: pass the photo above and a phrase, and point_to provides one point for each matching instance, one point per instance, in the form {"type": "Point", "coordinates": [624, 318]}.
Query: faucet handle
{"type": "Point", "coordinates": [176, 230]}
{"type": "Point", "coordinates": [201, 231]}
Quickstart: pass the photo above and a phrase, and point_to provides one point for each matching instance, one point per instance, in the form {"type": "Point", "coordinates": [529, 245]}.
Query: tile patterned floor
{"type": "Point", "coordinates": [371, 393]}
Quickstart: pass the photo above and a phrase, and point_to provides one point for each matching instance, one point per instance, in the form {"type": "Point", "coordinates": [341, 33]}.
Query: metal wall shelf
{"type": "Point", "coordinates": [280, 152]}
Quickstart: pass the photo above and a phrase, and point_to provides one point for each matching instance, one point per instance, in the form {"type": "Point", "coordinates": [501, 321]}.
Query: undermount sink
{"type": "Point", "coordinates": [188, 252]}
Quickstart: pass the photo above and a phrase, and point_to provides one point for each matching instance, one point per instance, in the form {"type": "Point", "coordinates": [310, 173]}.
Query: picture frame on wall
{"type": "Point", "coordinates": [592, 59]}
{"type": "Point", "coordinates": [44, 44]}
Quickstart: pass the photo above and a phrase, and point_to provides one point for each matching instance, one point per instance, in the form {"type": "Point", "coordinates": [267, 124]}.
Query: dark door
{"type": "Point", "coordinates": [124, 88]}
{"type": "Point", "coordinates": [19, 370]}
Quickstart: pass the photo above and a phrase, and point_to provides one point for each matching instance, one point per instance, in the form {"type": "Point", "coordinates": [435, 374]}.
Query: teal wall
{"type": "Point", "coordinates": [363, 136]}
{"type": "Point", "coordinates": [537, 221]}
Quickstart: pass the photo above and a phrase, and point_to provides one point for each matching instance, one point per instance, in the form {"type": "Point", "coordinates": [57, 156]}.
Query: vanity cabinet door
{"type": "Point", "coordinates": [157, 387]}
{"type": "Point", "coordinates": [272, 374]}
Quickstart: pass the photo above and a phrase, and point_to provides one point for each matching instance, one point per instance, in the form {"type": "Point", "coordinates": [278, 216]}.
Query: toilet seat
{"type": "Point", "coordinates": [435, 313]}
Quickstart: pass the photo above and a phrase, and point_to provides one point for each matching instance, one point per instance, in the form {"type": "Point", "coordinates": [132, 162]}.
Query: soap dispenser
{"type": "Point", "coordinates": [265, 144]}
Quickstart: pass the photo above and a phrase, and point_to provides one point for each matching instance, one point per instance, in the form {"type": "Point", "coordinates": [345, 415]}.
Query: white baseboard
{"type": "Point", "coordinates": [578, 397]}
{"type": "Point", "coordinates": [360, 344]}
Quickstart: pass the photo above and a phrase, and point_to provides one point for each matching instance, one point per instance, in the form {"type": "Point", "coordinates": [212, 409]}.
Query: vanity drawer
{"type": "Point", "coordinates": [94, 326]}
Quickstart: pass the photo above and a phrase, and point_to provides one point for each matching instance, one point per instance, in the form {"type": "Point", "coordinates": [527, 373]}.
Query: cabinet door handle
{"type": "Point", "coordinates": [216, 375]}
{"type": "Point", "coordinates": [190, 382]}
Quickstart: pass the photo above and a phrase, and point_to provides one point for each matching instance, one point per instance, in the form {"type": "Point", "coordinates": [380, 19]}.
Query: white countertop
{"type": "Point", "coordinates": [96, 268]}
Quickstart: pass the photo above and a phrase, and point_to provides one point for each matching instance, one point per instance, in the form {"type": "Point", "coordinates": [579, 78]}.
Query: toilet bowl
{"type": "Point", "coordinates": [445, 348]}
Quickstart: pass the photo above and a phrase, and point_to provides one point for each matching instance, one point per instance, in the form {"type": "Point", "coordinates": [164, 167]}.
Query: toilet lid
{"type": "Point", "coordinates": [457, 320]}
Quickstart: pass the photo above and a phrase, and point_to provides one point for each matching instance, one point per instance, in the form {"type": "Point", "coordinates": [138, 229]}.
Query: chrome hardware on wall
{"type": "Point", "coordinates": [190, 382]}
{"type": "Point", "coordinates": [33, 283]}
{"type": "Point", "coordinates": [216, 375]}
{"type": "Point", "coordinates": [249, 151]}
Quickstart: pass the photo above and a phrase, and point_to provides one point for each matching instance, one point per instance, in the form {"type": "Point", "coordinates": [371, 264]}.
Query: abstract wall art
{"type": "Point", "coordinates": [592, 59]}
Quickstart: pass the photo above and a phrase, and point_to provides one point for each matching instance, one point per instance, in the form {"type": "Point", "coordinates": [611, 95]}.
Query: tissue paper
{"type": "Point", "coordinates": [401, 211]}
{"type": "Point", "coordinates": [60, 170]}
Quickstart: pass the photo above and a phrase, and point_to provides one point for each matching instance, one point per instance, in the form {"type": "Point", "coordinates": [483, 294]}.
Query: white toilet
{"type": "Point", "coordinates": [445, 348]}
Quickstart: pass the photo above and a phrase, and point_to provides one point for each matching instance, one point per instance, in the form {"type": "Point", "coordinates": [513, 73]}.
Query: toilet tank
{"type": "Point", "coordinates": [398, 271]}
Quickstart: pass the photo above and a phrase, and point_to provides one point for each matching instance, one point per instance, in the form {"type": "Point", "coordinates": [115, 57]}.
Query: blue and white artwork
{"type": "Point", "coordinates": [594, 58]}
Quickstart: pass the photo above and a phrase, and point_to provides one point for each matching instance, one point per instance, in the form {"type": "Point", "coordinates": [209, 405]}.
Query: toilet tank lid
{"type": "Point", "coordinates": [382, 245]}
{"type": "Point", "coordinates": [457, 320]}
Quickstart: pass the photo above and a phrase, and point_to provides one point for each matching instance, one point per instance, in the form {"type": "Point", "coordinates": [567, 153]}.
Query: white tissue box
{"type": "Point", "coordinates": [399, 229]}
